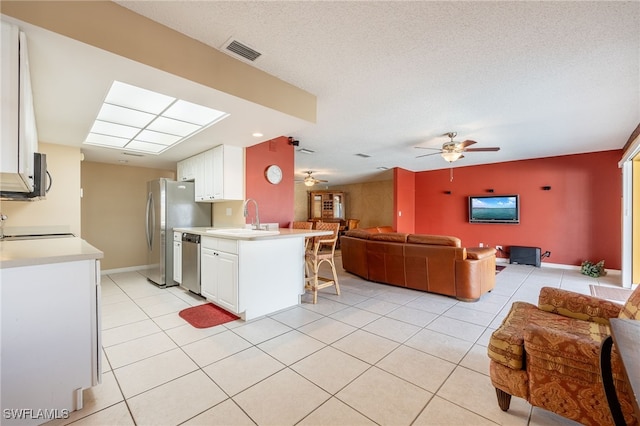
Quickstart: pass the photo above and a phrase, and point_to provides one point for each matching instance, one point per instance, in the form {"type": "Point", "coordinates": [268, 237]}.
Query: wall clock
{"type": "Point", "coordinates": [273, 174]}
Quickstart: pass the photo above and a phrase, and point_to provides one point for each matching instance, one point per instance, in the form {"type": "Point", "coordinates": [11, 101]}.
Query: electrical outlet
{"type": "Point", "coordinates": [499, 248]}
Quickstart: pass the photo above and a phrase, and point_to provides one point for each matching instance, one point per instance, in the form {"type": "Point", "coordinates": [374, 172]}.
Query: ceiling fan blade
{"type": "Point", "coordinates": [426, 147]}
{"type": "Point", "coordinates": [495, 148]}
{"type": "Point", "coordinates": [433, 153]}
{"type": "Point", "coordinates": [466, 143]}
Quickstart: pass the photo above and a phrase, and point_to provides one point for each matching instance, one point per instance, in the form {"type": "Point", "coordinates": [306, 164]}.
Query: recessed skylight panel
{"type": "Point", "coordinates": [126, 116]}
{"type": "Point", "coordinates": [137, 119]}
{"type": "Point", "coordinates": [106, 141]}
{"type": "Point", "coordinates": [146, 147]}
{"type": "Point", "coordinates": [112, 129]}
{"type": "Point", "coordinates": [176, 127]}
{"type": "Point", "coordinates": [157, 137]}
{"type": "Point", "coordinates": [137, 98]}
{"type": "Point", "coordinates": [192, 113]}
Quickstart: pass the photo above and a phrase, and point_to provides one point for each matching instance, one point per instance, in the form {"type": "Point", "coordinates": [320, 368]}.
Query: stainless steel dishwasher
{"type": "Point", "coordinates": [191, 262]}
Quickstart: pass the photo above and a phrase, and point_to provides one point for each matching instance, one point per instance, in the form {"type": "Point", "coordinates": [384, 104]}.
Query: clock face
{"type": "Point", "coordinates": [273, 174]}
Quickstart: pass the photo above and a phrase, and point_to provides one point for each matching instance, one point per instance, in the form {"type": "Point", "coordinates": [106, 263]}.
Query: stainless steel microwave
{"type": "Point", "coordinates": [40, 185]}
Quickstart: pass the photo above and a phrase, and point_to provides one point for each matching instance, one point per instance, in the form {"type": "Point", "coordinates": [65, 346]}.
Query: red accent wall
{"type": "Point", "coordinates": [404, 200]}
{"type": "Point", "coordinates": [578, 219]}
{"type": "Point", "coordinates": [275, 202]}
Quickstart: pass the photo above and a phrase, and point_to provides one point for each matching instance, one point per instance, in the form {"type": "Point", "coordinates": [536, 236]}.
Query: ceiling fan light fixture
{"type": "Point", "coordinates": [451, 156]}
{"type": "Point", "coordinates": [309, 181]}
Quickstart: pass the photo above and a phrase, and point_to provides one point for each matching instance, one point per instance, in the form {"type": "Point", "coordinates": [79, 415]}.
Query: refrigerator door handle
{"type": "Point", "coordinates": [151, 221]}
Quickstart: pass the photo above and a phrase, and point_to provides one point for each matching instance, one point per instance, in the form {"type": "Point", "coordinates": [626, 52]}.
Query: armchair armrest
{"type": "Point", "coordinates": [562, 345]}
{"type": "Point", "coordinates": [577, 305]}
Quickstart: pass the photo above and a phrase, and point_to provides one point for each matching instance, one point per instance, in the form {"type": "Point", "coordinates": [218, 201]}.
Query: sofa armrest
{"type": "Point", "coordinates": [475, 277]}
{"type": "Point", "coordinates": [478, 253]}
{"type": "Point", "coordinates": [577, 305]}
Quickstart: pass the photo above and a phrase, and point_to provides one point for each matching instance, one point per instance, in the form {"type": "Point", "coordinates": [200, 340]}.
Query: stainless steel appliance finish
{"type": "Point", "coordinates": [170, 204]}
{"type": "Point", "coordinates": [191, 262]}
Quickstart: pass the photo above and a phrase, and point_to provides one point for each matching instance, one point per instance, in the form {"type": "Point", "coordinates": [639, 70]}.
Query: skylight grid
{"type": "Point", "coordinates": [136, 119]}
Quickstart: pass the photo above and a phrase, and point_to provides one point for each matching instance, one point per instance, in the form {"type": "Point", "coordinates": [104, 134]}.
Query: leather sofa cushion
{"type": "Point", "coordinates": [359, 233]}
{"type": "Point", "coordinates": [396, 237]}
{"type": "Point", "coordinates": [477, 253]}
{"type": "Point", "coordinates": [436, 240]}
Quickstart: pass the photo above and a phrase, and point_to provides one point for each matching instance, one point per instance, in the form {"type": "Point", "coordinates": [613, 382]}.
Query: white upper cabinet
{"type": "Point", "coordinates": [218, 173]}
{"type": "Point", "coordinates": [18, 126]}
{"type": "Point", "coordinates": [186, 169]}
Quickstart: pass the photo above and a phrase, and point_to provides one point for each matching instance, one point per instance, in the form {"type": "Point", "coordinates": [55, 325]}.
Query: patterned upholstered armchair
{"type": "Point", "coordinates": [549, 355]}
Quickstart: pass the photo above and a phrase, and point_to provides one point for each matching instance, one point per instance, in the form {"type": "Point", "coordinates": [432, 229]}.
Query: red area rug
{"type": "Point", "coordinates": [499, 268]}
{"type": "Point", "coordinates": [207, 315]}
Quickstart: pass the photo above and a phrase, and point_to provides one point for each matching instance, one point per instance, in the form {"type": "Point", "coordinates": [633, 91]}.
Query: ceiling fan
{"type": "Point", "coordinates": [452, 150]}
{"type": "Point", "coordinates": [310, 180]}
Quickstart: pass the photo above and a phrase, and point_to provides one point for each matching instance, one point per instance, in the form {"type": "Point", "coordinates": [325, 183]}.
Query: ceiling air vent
{"type": "Point", "coordinates": [241, 49]}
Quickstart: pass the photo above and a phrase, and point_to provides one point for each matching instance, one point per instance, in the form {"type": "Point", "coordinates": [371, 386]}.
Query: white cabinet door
{"type": "Point", "coordinates": [209, 167]}
{"type": "Point", "coordinates": [219, 272]}
{"type": "Point", "coordinates": [208, 274]}
{"type": "Point", "coordinates": [198, 172]}
{"type": "Point", "coordinates": [228, 172]}
{"type": "Point", "coordinates": [177, 261]}
{"type": "Point", "coordinates": [218, 172]}
{"type": "Point", "coordinates": [186, 170]}
{"type": "Point", "coordinates": [18, 126]}
{"type": "Point", "coordinates": [228, 281]}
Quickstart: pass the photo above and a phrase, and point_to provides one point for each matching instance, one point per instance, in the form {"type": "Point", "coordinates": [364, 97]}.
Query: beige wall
{"type": "Point", "coordinates": [113, 208]}
{"type": "Point", "coordinates": [371, 202]}
{"type": "Point", "coordinates": [221, 218]}
{"type": "Point", "coordinates": [62, 204]}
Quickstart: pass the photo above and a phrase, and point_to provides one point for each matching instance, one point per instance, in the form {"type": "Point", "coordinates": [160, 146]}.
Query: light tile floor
{"type": "Point", "coordinates": [376, 354]}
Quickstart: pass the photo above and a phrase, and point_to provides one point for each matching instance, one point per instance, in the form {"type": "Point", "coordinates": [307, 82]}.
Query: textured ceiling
{"type": "Point", "coordinates": [534, 78]}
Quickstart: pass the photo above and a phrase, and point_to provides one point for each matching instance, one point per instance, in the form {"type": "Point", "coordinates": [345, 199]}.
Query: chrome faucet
{"type": "Point", "coordinates": [255, 225]}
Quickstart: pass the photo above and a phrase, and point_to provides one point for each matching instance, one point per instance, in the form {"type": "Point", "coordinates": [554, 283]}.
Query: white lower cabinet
{"type": "Point", "coordinates": [219, 272]}
{"type": "Point", "coordinates": [227, 269]}
{"type": "Point", "coordinates": [50, 339]}
{"type": "Point", "coordinates": [252, 278]}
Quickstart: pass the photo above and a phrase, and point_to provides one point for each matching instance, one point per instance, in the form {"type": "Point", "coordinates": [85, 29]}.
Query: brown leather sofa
{"type": "Point", "coordinates": [433, 263]}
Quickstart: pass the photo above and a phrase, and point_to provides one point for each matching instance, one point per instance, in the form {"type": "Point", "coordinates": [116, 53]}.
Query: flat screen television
{"type": "Point", "coordinates": [494, 209]}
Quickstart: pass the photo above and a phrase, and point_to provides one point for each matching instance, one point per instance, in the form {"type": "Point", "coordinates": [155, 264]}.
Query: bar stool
{"type": "Point", "coordinates": [318, 254]}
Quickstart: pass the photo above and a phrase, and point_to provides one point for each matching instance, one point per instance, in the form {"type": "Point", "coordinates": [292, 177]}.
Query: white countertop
{"type": "Point", "coordinates": [44, 251]}
{"type": "Point", "coordinates": [256, 235]}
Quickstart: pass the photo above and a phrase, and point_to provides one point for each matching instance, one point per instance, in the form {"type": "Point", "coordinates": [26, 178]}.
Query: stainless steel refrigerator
{"type": "Point", "coordinates": [170, 204]}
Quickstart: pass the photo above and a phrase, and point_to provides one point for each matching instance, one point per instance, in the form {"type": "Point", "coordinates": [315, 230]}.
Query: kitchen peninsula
{"type": "Point", "coordinates": [50, 327]}
{"type": "Point", "coordinates": [252, 272]}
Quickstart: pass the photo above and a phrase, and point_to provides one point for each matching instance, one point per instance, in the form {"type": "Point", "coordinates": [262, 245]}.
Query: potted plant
{"type": "Point", "coordinates": [593, 269]}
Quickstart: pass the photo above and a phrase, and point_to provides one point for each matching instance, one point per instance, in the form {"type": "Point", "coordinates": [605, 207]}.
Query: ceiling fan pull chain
{"type": "Point", "coordinates": [450, 174]}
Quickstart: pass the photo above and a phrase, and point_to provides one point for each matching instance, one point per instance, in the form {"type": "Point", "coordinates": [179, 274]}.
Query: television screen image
{"type": "Point", "coordinates": [494, 209]}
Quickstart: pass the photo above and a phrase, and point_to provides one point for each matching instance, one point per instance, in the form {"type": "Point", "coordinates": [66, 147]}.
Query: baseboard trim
{"type": "Point", "coordinates": [560, 266]}
{"type": "Point", "coordinates": [127, 269]}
